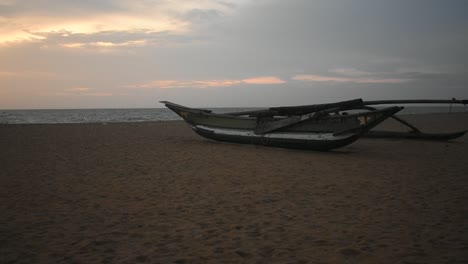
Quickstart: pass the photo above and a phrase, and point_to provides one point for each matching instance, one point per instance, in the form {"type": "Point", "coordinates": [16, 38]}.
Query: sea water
{"type": "Point", "coordinates": [141, 115]}
{"type": "Point", "coordinates": [57, 116]}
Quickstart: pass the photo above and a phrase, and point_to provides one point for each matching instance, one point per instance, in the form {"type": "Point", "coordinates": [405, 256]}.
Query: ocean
{"type": "Point", "coordinates": [56, 116]}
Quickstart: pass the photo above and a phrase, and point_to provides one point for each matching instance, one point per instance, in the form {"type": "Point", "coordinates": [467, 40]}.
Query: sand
{"type": "Point", "coordinates": [158, 193]}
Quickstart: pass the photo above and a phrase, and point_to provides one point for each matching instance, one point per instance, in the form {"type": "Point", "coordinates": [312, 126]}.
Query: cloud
{"type": "Point", "coordinates": [105, 44]}
{"type": "Point", "coordinates": [33, 22]}
{"type": "Point", "coordinates": [98, 94]}
{"type": "Point", "coordinates": [264, 80]}
{"type": "Point", "coordinates": [106, 40]}
{"type": "Point", "coordinates": [85, 94]}
{"type": "Point", "coordinates": [171, 84]}
{"type": "Point", "coordinates": [39, 29]}
{"type": "Point", "coordinates": [8, 74]}
{"type": "Point", "coordinates": [352, 75]}
{"type": "Point", "coordinates": [44, 75]}
{"type": "Point", "coordinates": [350, 72]}
{"type": "Point", "coordinates": [82, 91]}
{"type": "Point", "coordinates": [322, 78]}
{"type": "Point", "coordinates": [78, 89]}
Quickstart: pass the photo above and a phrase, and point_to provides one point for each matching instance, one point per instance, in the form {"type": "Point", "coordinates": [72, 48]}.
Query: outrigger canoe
{"type": "Point", "coordinates": [317, 127]}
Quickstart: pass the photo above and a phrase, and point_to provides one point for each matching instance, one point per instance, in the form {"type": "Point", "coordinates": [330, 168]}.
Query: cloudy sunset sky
{"type": "Point", "coordinates": [223, 53]}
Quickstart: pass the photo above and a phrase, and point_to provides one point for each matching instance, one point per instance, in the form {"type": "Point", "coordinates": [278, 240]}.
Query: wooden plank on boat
{"type": "Point", "coordinates": [305, 109]}
{"type": "Point", "coordinates": [301, 109]}
{"type": "Point", "coordinates": [249, 112]}
{"type": "Point", "coordinates": [266, 127]}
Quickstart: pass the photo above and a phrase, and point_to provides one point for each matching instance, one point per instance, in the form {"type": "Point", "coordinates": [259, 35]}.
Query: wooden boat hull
{"type": "Point", "coordinates": [309, 141]}
{"type": "Point", "coordinates": [328, 123]}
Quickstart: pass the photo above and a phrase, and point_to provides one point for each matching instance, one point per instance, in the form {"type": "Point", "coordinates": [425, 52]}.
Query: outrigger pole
{"type": "Point", "coordinates": [344, 105]}
{"type": "Point", "coordinates": [423, 101]}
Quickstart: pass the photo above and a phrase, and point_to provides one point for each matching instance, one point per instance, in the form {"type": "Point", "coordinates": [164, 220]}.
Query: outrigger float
{"type": "Point", "coordinates": [316, 127]}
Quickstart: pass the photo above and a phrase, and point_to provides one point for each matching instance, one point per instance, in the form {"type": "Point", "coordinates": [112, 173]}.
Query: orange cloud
{"type": "Point", "coordinates": [36, 28]}
{"type": "Point", "coordinates": [215, 83]}
{"type": "Point", "coordinates": [105, 46]}
{"type": "Point", "coordinates": [77, 89]}
{"type": "Point", "coordinates": [25, 24]}
{"type": "Point", "coordinates": [28, 74]}
{"type": "Point", "coordinates": [170, 84]}
{"type": "Point", "coordinates": [264, 80]}
{"type": "Point", "coordinates": [82, 91]}
{"type": "Point", "coordinates": [9, 74]}
{"type": "Point", "coordinates": [84, 94]}
{"type": "Point", "coordinates": [98, 94]}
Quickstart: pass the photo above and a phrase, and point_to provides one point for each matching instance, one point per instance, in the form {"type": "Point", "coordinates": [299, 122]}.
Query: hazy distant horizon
{"type": "Point", "coordinates": [410, 106]}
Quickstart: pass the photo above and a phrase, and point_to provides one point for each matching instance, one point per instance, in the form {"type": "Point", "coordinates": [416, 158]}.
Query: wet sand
{"type": "Point", "coordinates": [158, 193]}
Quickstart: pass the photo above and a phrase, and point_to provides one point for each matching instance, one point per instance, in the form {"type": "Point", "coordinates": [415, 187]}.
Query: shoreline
{"type": "Point", "coordinates": [147, 118]}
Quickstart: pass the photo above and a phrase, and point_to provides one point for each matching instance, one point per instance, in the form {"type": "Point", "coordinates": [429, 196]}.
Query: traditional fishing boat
{"type": "Point", "coordinates": [316, 127]}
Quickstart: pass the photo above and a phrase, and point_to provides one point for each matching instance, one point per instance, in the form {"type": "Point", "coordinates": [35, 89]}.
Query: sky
{"type": "Point", "coordinates": [229, 53]}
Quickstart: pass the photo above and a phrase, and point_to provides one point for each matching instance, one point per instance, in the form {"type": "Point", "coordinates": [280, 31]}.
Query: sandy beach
{"type": "Point", "coordinates": [155, 192]}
